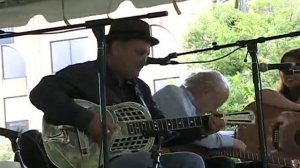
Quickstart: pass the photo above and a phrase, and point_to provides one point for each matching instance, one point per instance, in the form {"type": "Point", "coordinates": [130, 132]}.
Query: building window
{"type": "Point", "coordinates": [68, 52]}
{"type": "Point", "coordinates": [17, 113]}
{"type": "Point", "coordinates": [12, 62]}
{"type": "Point", "coordinates": [162, 82]}
{"type": "Point", "coordinates": [9, 40]}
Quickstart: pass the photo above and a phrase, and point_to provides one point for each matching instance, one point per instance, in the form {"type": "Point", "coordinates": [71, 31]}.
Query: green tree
{"type": "Point", "coordinates": [6, 152]}
{"type": "Point", "coordinates": [224, 24]}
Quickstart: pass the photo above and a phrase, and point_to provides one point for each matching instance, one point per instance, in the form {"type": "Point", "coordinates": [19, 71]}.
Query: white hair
{"type": "Point", "coordinates": [207, 80]}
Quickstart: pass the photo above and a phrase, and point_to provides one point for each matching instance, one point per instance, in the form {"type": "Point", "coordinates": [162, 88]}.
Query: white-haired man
{"type": "Point", "coordinates": [202, 92]}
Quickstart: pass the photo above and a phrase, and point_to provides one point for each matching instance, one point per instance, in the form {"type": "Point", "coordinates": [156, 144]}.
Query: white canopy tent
{"type": "Point", "coordinates": [18, 12]}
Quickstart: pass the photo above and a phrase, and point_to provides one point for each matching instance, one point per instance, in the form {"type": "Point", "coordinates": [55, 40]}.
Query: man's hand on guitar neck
{"type": "Point", "coordinates": [94, 130]}
{"type": "Point", "coordinates": [215, 123]}
{"type": "Point", "coordinates": [238, 144]}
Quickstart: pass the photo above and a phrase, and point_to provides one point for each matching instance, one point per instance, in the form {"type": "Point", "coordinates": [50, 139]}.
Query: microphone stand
{"type": "Point", "coordinates": [14, 137]}
{"type": "Point", "coordinates": [160, 137]}
{"type": "Point", "coordinates": [98, 28]}
{"type": "Point", "coordinates": [252, 49]}
{"type": "Point", "coordinates": [75, 27]}
{"type": "Point", "coordinates": [16, 149]}
{"type": "Point", "coordinates": [156, 153]}
{"type": "Point", "coordinates": [237, 43]}
{"type": "Point", "coordinates": [99, 32]}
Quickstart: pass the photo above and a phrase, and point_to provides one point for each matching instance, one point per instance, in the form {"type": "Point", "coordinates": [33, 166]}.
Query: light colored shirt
{"type": "Point", "coordinates": [177, 102]}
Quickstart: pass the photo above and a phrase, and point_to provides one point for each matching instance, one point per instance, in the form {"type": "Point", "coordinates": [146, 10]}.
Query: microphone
{"type": "Point", "coordinates": [160, 61]}
{"type": "Point", "coordinates": [263, 67]}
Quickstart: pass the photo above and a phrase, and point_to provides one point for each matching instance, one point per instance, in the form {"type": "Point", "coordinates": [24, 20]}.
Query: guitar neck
{"type": "Point", "coordinates": [164, 125]}
{"type": "Point", "coordinates": [245, 155]}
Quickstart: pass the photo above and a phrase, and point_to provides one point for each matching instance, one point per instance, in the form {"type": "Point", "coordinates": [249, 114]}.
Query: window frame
{"type": "Point", "coordinates": [2, 61]}
{"type": "Point", "coordinates": [5, 110]}
{"type": "Point", "coordinates": [61, 40]}
{"type": "Point", "coordinates": [161, 79]}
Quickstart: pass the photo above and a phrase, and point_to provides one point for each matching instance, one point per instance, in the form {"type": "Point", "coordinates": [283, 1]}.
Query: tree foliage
{"type": "Point", "coordinates": [6, 152]}
{"type": "Point", "coordinates": [224, 24]}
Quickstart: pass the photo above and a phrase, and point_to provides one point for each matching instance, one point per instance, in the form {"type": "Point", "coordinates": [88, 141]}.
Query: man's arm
{"type": "Point", "coordinates": [54, 97]}
{"type": "Point", "coordinates": [215, 140]}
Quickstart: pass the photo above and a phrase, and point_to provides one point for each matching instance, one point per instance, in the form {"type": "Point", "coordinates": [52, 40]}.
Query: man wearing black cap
{"type": "Point", "coordinates": [128, 46]}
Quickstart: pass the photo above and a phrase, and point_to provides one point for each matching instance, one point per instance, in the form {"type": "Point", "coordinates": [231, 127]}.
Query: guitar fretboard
{"type": "Point", "coordinates": [245, 155]}
{"type": "Point", "coordinates": [139, 127]}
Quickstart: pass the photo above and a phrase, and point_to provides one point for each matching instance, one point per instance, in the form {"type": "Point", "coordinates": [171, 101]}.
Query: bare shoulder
{"type": "Point", "coordinates": [274, 98]}
{"type": "Point", "coordinates": [270, 92]}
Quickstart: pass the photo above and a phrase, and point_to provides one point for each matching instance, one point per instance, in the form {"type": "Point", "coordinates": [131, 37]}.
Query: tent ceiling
{"type": "Point", "coordinates": [18, 12]}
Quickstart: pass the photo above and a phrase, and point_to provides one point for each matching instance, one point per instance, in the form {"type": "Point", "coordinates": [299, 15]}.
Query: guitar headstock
{"type": "Point", "coordinates": [240, 118]}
